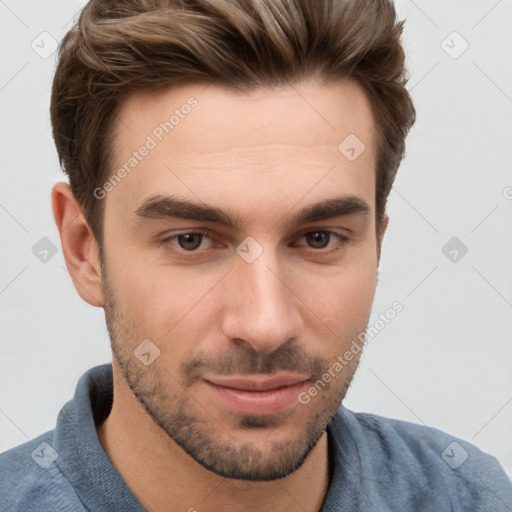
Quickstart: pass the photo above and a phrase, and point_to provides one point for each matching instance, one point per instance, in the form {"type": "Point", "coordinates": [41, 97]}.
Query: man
{"type": "Point", "coordinates": [229, 165]}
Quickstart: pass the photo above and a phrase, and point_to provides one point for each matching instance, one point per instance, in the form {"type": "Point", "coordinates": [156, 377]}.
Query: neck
{"type": "Point", "coordinates": [164, 477]}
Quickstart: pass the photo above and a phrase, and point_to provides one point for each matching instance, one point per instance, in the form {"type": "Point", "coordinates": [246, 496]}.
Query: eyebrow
{"type": "Point", "coordinates": [168, 207]}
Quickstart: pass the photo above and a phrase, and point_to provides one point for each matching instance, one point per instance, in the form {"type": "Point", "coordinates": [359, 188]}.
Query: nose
{"type": "Point", "coordinates": [261, 309]}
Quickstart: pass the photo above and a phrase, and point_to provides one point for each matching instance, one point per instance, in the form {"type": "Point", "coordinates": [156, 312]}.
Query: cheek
{"type": "Point", "coordinates": [344, 309]}
{"type": "Point", "coordinates": [172, 307]}
{"type": "Point", "coordinates": [338, 311]}
{"type": "Point", "coordinates": [343, 296]}
{"type": "Point", "coordinates": [354, 295]}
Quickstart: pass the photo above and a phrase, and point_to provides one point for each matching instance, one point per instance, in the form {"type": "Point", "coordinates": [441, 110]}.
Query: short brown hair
{"type": "Point", "coordinates": [119, 47]}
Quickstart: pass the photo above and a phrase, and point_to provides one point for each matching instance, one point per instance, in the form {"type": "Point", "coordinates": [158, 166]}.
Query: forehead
{"type": "Point", "coordinates": [221, 145]}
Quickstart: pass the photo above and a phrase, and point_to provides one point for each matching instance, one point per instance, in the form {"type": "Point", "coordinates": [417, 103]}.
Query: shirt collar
{"type": "Point", "coordinates": [100, 487]}
{"type": "Point", "coordinates": [80, 454]}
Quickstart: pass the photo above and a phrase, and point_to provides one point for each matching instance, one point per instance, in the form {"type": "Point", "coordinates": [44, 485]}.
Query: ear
{"type": "Point", "coordinates": [380, 235]}
{"type": "Point", "coordinates": [79, 246]}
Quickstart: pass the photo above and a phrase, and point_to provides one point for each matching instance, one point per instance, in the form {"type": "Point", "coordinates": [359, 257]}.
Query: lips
{"type": "Point", "coordinates": [257, 383]}
{"type": "Point", "coordinates": [255, 395]}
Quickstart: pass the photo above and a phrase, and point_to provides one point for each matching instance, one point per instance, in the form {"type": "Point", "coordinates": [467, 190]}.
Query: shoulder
{"type": "Point", "coordinates": [421, 460]}
{"type": "Point", "coordinates": [30, 480]}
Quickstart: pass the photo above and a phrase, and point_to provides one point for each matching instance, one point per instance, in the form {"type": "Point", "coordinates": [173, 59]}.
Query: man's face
{"type": "Point", "coordinates": [287, 301]}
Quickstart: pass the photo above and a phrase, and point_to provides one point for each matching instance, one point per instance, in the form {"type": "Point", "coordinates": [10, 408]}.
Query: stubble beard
{"type": "Point", "coordinates": [169, 405]}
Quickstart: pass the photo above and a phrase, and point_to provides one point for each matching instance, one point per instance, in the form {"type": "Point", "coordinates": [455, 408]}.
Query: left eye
{"type": "Point", "coordinates": [188, 241]}
{"type": "Point", "coordinates": [320, 239]}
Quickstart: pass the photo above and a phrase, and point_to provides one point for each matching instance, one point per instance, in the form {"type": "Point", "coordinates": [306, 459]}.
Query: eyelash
{"type": "Point", "coordinates": [196, 252]}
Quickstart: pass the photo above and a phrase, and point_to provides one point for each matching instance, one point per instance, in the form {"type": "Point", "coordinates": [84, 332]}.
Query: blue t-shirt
{"type": "Point", "coordinates": [378, 464]}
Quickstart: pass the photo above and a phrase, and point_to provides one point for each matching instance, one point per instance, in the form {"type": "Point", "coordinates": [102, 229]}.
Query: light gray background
{"type": "Point", "coordinates": [444, 360]}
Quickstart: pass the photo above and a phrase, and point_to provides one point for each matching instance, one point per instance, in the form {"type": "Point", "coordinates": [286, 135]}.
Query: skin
{"type": "Point", "coordinates": [262, 157]}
